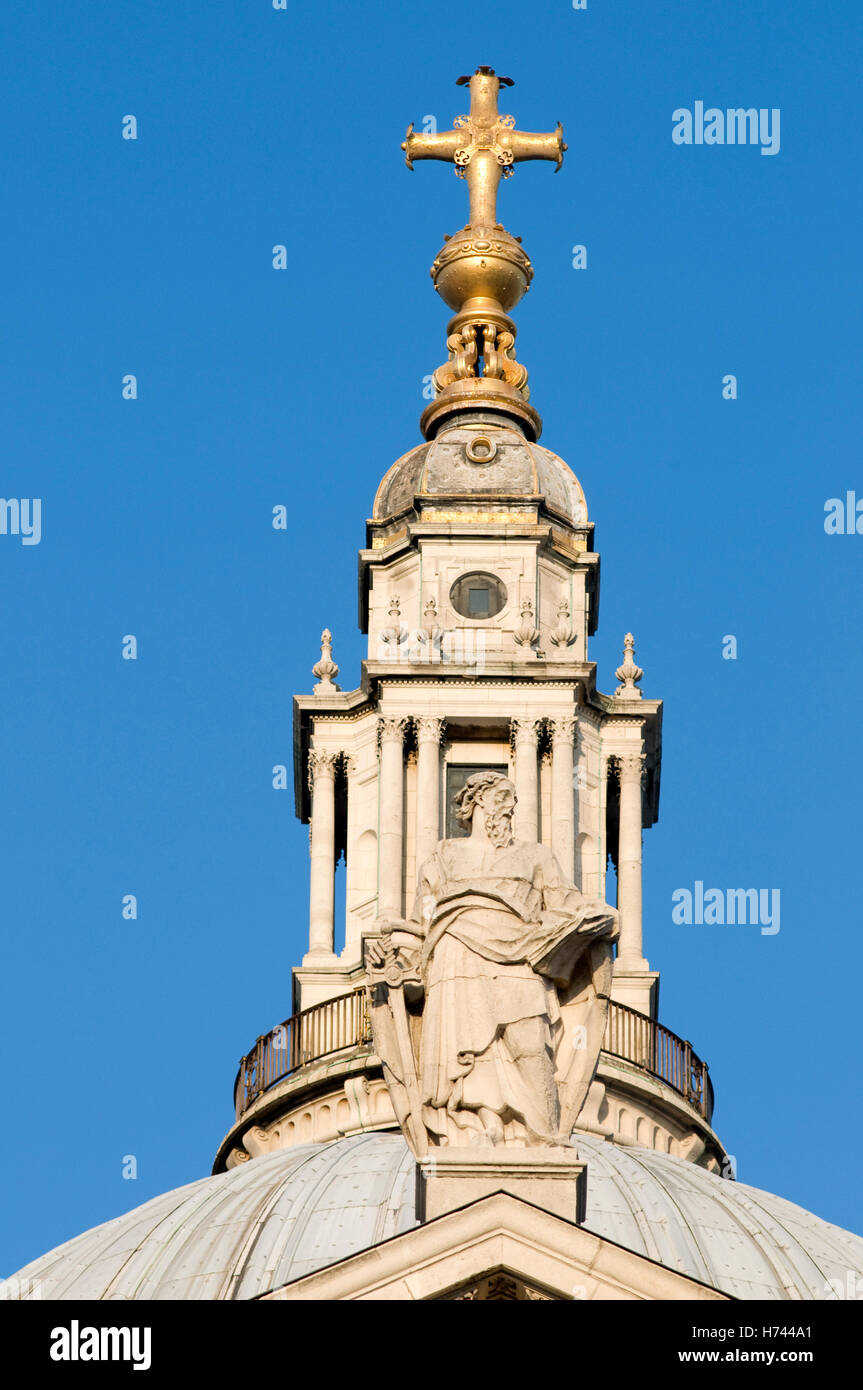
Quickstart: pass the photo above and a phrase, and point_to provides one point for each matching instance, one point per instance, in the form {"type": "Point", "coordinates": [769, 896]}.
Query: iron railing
{"type": "Point", "coordinates": [648, 1044]}
{"type": "Point", "coordinates": [342, 1023]}
{"type": "Point", "coordinates": [305, 1037]}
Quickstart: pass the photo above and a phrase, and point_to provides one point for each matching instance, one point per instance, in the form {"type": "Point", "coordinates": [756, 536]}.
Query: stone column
{"type": "Point", "coordinates": [353, 949]}
{"type": "Point", "coordinates": [629, 948]}
{"type": "Point", "coordinates": [524, 734]}
{"type": "Point", "coordinates": [603, 793]}
{"type": "Point", "coordinates": [562, 793]}
{"type": "Point", "coordinates": [322, 782]}
{"type": "Point", "coordinates": [429, 731]}
{"type": "Point", "coordinates": [391, 817]}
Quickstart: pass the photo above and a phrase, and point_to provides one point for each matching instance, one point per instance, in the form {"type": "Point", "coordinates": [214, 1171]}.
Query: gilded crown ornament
{"type": "Point", "coordinates": [482, 272]}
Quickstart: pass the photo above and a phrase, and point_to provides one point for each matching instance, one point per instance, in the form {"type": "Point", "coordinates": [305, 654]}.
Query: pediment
{"type": "Point", "coordinates": [497, 1249]}
{"type": "Point", "coordinates": [498, 1286]}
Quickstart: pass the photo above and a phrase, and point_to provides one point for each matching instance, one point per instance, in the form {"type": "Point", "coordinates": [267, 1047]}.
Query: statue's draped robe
{"type": "Point", "coordinates": [492, 945]}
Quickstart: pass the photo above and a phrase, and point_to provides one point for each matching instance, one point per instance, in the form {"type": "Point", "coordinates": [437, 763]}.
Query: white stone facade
{"type": "Point", "coordinates": [444, 688]}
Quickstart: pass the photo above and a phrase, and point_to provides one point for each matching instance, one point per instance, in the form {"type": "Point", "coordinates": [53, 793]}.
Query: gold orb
{"type": "Point", "coordinates": [482, 264]}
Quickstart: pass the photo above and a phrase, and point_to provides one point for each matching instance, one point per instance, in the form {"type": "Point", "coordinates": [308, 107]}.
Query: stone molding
{"type": "Point", "coordinates": [332, 1100]}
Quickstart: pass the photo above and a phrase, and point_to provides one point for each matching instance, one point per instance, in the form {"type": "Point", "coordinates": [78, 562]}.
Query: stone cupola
{"type": "Point", "coordinates": [478, 592]}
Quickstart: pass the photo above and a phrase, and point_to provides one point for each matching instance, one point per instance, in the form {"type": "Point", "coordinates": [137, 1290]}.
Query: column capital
{"type": "Point", "coordinates": [429, 728]}
{"type": "Point", "coordinates": [630, 766]}
{"type": "Point", "coordinates": [562, 728]}
{"type": "Point", "coordinates": [392, 729]}
{"type": "Point", "coordinates": [321, 764]}
{"type": "Point", "coordinates": [524, 729]}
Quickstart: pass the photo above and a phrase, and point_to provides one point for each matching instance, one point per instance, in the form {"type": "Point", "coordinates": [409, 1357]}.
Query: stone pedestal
{"type": "Point", "coordinates": [639, 989]}
{"type": "Point", "coordinates": [555, 1180]}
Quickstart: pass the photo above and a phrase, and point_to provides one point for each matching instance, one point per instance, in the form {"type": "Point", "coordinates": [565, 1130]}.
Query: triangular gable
{"type": "Point", "coordinates": [473, 1252]}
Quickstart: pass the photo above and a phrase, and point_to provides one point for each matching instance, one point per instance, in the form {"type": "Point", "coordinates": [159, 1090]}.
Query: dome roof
{"type": "Point", "coordinates": [457, 463]}
{"type": "Point", "coordinates": [278, 1217]}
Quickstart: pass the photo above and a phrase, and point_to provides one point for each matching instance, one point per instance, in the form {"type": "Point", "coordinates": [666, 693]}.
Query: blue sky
{"type": "Point", "coordinates": [258, 387]}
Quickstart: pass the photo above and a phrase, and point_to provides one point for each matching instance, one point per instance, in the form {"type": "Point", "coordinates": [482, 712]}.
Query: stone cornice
{"type": "Point", "coordinates": [343, 703]}
{"type": "Point", "coordinates": [513, 672]}
{"type": "Point", "coordinates": [646, 1092]}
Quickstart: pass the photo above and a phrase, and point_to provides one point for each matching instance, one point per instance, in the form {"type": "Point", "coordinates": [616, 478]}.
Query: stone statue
{"type": "Point", "coordinates": [489, 1003]}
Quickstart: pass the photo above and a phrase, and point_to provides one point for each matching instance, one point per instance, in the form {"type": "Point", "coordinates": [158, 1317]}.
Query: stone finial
{"type": "Point", "coordinates": [396, 633]}
{"type": "Point", "coordinates": [628, 673]}
{"type": "Point", "coordinates": [430, 634]}
{"type": "Point", "coordinates": [526, 633]}
{"type": "Point", "coordinates": [326, 668]}
{"type": "Point", "coordinates": [562, 635]}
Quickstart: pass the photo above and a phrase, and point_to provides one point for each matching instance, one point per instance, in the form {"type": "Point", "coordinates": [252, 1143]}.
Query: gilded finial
{"type": "Point", "coordinates": [484, 146]}
{"type": "Point", "coordinates": [482, 272]}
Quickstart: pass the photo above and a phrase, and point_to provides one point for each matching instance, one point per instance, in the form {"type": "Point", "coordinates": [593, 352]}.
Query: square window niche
{"type": "Point", "coordinates": [456, 776]}
{"type": "Point", "coordinates": [478, 603]}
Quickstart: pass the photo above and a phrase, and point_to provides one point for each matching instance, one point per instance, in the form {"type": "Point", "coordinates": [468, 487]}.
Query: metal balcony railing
{"type": "Point", "coordinates": [343, 1023]}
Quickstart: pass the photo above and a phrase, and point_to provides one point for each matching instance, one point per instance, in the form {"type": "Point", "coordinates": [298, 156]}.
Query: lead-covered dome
{"type": "Point", "coordinates": [272, 1220]}
{"type": "Point", "coordinates": [482, 460]}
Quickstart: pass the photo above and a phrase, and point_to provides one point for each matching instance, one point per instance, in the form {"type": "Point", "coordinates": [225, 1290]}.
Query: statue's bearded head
{"type": "Point", "coordinates": [495, 795]}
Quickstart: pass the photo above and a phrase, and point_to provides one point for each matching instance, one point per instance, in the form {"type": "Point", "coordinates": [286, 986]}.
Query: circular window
{"type": "Point", "coordinates": [477, 596]}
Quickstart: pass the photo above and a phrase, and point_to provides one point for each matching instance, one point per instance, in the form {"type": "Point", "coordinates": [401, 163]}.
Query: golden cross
{"type": "Point", "coordinates": [484, 145]}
